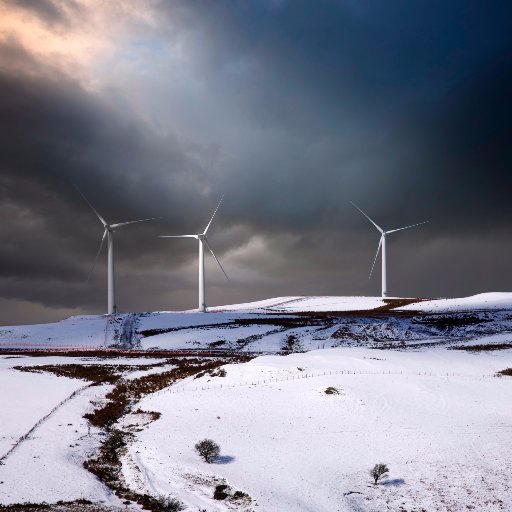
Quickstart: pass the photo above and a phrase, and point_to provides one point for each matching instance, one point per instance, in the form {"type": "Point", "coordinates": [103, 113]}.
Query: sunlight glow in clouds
{"type": "Point", "coordinates": [86, 33]}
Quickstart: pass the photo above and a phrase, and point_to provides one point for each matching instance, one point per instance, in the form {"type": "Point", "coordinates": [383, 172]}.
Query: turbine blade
{"type": "Point", "coordinates": [121, 224]}
{"type": "Point", "coordinates": [97, 256]}
{"type": "Point", "coordinates": [102, 220]}
{"type": "Point", "coordinates": [407, 227]}
{"type": "Point", "coordinates": [177, 236]}
{"type": "Point", "coordinates": [376, 255]}
{"type": "Point", "coordinates": [206, 229]}
{"type": "Point", "coordinates": [378, 227]}
{"type": "Point", "coordinates": [213, 254]}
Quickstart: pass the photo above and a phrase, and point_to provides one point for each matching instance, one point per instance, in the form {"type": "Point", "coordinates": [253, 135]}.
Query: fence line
{"type": "Point", "coordinates": [256, 382]}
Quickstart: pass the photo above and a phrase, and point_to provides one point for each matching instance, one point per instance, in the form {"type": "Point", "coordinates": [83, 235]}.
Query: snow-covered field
{"type": "Point", "coordinates": [25, 397]}
{"type": "Point", "coordinates": [300, 304]}
{"type": "Point", "coordinates": [439, 419]}
{"type": "Point", "coordinates": [87, 331]}
{"type": "Point", "coordinates": [480, 302]}
{"type": "Point", "coordinates": [47, 466]}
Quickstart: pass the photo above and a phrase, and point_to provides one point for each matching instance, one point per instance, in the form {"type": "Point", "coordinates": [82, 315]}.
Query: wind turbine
{"type": "Point", "coordinates": [382, 243]}
{"type": "Point", "coordinates": [203, 240]}
{"type": "Point", "coordinates": [109, 234]}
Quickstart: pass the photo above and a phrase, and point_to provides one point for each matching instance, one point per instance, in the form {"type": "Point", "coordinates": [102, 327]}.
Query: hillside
{"type": "Point", "coordinates": [284, 324]}
{"type": "Point", "coordinates": [110, 431]}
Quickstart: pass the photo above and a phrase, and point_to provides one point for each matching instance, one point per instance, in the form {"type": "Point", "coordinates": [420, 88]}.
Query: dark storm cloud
{"type": "Point", "coordinates": [357, 97]}
{"type": "Point", "coordinates": [55, 134]}
{"type": "Point", "coordinates": [292, 109]}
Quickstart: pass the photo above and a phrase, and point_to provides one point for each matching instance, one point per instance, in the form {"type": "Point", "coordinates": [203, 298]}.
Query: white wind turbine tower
{"type": "Point", "coordinates": [109, 234]}
{"type": "Point", "coordinates": [382, 243]}
{"type": "Point", "coordinates": [203, 240]}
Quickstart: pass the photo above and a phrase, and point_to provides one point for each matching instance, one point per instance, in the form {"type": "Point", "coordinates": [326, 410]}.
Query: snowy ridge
{"type": "Point", "coordinates": [482, 301]}
{"type": "Point", "coordinates": [269, 325]}
{"type": "Point", "coordinates": [304, 303]}
{"type": "Point", "coordinates": [439, 418]}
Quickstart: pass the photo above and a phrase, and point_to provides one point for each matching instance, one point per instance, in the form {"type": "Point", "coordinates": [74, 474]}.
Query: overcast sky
{"type": "Point", "coordinates": [291, 109]}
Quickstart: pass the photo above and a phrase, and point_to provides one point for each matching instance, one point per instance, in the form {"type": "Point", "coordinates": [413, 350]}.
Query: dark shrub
{"type": "Point", "coordinates": [240, 496]}
{"type": "Point", "coordinates": [221, 492]}
{"type": "Point", "coordinates": [208, 450]}
{"type": "Point", "coordinates": [168, 504]}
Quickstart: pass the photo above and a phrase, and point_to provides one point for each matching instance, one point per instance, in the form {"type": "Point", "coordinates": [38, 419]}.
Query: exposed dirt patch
{"type": "Point", "coordinates": [390, 304]}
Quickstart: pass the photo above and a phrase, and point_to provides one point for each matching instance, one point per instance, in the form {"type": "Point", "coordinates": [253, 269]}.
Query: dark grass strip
{"type": "Point", "coordinates": [482, 348]}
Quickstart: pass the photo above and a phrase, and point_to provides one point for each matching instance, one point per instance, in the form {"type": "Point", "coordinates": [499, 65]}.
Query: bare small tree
{"type": "Point", "coordinates": [208, 450]}
{"type": "Point", "coordinates": [378, 471]}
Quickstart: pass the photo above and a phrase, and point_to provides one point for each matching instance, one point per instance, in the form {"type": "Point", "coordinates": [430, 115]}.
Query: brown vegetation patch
{"type": "Point", "coordinates": [507, 371]}
{"type": "Point", "coordinates": [482, 348]}
{"type": "Point", "coordinates": [91, 372]}
{"type": "Point", "coordinates": [390, 304]}
{"type": "Point", "coordinates": [127, 392]}
{"type": "Point", "coordinates": [444, 321]}
{"type": "Point", "coordinates": [107, 463]}
{"type": "Point", "coordinates": [154, 415]}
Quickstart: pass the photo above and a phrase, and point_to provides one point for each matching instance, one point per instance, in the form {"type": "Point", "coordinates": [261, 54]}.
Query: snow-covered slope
{"type": "Point", "coordinates": [47, 465]}
{"type": "Point", "coordinates": [438, 419]}
{"type": "Point", "coordinates": [276, 324]}
{"type": "Point", "coordinates": [27, 397]}
{"type": "Point", "coordinates": [88, 331]}
{"type": "Point", "coordinates": [301, 304]}
{"type": "Point", "coordinates": [482, 302]}
{"type": "Point", "coordinates": [97, 331]}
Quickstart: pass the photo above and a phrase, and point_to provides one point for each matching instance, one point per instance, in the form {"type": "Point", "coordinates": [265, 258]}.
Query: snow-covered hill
{"type": "Point", "coordinates": [439, 418]}
{"type": "Point", "coordinates": [288, 324]}
{"type": "Point", "coordinates": [480, 302]}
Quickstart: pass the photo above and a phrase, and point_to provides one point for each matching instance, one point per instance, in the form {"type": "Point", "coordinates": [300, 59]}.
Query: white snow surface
{"type": "Point", "coordinates": [439, 419]}
{"type": "Point", "coordinates": [86, 331]}
{"type": "Point", "coordinates": [25, 397]}
{"type": "Point", "coordinates": [482, 301]}
{"type": "Point", "coordinates": [47, 466]}
{"type": "Point", "coordinates": [183, 328]}
{"type": "Point", "coordinates": [196, 337]}
{"type": "Point", "coordinates": [95, 331]}
{"type": "Point", "coordinates": [304, 303]}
